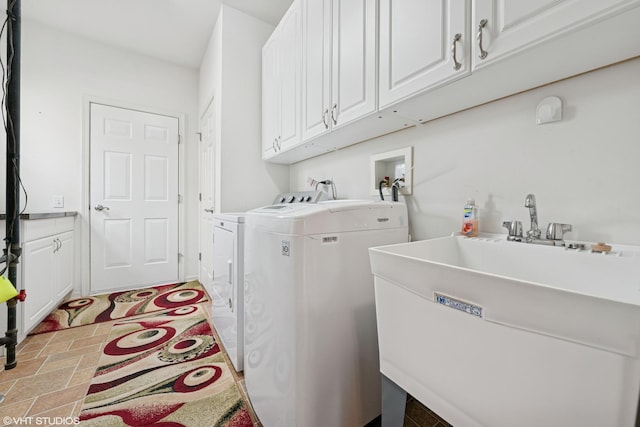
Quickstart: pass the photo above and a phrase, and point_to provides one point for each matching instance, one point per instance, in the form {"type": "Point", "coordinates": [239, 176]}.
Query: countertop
{"type": "Point", "coordinates": [42, 215]}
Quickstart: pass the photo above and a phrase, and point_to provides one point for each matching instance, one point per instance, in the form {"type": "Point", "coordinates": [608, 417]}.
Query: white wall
{"type": "Point", "coordinates": [583, 170]}
{"type": "Point", "coordinates": [231, 70]}
{"type": "Point", "coordinates": [58, 70]}
{"type": "Point", "coordinates": [210, 68]}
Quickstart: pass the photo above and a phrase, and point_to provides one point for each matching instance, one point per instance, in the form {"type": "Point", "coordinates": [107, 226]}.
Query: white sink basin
{"type": "Point", "coordinates": [551, 336]}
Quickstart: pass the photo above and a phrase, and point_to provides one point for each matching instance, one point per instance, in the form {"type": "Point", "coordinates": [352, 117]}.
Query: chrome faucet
{"type": "Point", "coordinates": [530, 202]}
{"type": "Point", "coordinates": [555, 231]}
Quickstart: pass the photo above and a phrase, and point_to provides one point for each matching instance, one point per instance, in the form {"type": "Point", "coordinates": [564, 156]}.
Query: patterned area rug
{"type": "Point", "coordinates": [117, 305]}
{"type": "Point", "coordinates": [164, 369]}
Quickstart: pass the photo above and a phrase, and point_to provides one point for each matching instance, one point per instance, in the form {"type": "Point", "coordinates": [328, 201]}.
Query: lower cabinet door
{"type": "Point", "coordinates": [63, 265]}
{"type": "Point", "coordinates": [37, 279]}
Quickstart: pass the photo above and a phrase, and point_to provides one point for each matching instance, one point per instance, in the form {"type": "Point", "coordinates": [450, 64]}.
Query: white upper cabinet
{"type": "Point", "coordinates": [514, 45]}
{"type": "Point", "coordinates": [281, 85]}
{"type": "Point", "coordinates": [423, 44]}
{"type": "Point", "coordinates": [339, 63]}
{"type": "Point", "coordinates": [354, 60]}
{"type": "Point", "coordinates": [505, 28]}
{"type": "Point", "coordinates": [289, 63]}
{"type": "Point", "coordinates": [270, 97]}
{"type": "Point", "coordinates": [359, 77]}
{"type": "Point", "coordinates": [316, 67]}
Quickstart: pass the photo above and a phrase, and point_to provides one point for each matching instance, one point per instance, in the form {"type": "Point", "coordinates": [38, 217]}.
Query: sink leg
{"type": "Point", "coordinates": [394, 400]}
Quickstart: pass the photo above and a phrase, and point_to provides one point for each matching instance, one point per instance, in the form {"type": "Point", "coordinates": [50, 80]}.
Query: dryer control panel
{"type": "Point", "coordinates": [301, 197]}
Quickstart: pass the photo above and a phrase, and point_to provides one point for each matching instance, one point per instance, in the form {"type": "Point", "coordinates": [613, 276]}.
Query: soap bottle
{"type": "Point", "coordinates": [470, 219]}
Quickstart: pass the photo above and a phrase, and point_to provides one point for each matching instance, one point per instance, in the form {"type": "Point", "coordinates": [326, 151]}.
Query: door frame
{"type": "Point", "coordinates": [210, 104]}
{"type": "Point", "coordinates": [85, 230]}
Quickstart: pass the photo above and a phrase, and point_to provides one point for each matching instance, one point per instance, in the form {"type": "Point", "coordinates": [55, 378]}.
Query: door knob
{"type": "Point", "coordinates": [101, 208]}
{"type": "Point", "coordinates": [209, 210]}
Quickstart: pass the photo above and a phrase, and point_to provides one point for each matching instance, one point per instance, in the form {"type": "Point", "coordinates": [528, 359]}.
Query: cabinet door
{"type": "Point", "coordinates": [316, 67]}
{"type": "Point", "coordinates": [289, 67]}
{"type": "Point", "coordinates": [417, 41]}
{"type": "Point", "coordinates": [270, 97]}
{"type": "Point", "coordinates": [354, 64]}
{"type": "Point", "coordinates": [223, 296]}
{"type": "Point", "coordinates": [37, 280]}
{"type": "Point", "coordinates": [517, 25]}
{"type": "Point", "coordinates": [63, 267]}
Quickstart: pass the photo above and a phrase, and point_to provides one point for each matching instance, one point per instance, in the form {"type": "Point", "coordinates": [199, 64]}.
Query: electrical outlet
{"type": "Point", "coordinates": [58, 201]}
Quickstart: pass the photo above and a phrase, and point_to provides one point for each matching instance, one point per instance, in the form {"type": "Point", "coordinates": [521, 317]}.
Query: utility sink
{"type": "Point", "coordinates": [489, 332]}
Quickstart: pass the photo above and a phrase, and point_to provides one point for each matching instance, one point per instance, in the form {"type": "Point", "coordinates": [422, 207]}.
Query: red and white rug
{"type": "Point", "coordinates": [118, 305]}
{"type": "Point", "coordinates": [164, 369]}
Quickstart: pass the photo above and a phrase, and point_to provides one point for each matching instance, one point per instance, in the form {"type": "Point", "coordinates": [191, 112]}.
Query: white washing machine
{"type": "Point", "coordinates": [311, 349]}
{"type": "Point", "coordinates": [228, 284]}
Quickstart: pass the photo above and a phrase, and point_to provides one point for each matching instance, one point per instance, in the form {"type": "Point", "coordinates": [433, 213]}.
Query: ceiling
{"type": "Point", "coordinates": [177, 31]}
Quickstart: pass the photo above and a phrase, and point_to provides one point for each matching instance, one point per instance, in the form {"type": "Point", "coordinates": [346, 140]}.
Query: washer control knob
{"type": "Point", "coordinates": [291, 198]}
{"type": "Point", "coordinates": [300, 199]}
{"type": "Point", "coordinates": [307, 199]}
{"type": "Point", "coordinates": [282, 199]}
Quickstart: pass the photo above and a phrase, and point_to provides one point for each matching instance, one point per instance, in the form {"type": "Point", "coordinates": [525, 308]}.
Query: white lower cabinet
{"type": "Point", "coordinates": [46, 268]}
{"type": "Point", "coordinates": [63, 265]}
{"type": "Point", "coordinates": [37, 270]}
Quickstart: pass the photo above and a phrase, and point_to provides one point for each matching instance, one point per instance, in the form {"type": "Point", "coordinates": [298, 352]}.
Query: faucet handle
{"type": "Point", "coordinates": [556, 231]}
{"type": "Point", "coordinates": [514, 228]}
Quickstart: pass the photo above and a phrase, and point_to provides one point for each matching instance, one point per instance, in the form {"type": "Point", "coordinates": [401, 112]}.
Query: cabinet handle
{"type": "Point", "coordinates": [334, 111]}
{"type": "Point", "coordinates": [274, 144]}
{"type": "Point", "coordinates": [230, 281]}
{"type": "Point", "coordinates": [456, 64]}
{"type": "Point", "coordinates": [279, 143]}
{"type": "Point", "coordinates": [325, 113]}
{"type": "Point", "coordinates": [483, 53]}
{"type": "Point", "coordinates": [58, 244]}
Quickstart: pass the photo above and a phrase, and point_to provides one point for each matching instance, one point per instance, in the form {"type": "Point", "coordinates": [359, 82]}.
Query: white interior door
{"type": "Point", "coordinates": [133, 198]}
{"type": "Point", "coordinates": [207, 165]}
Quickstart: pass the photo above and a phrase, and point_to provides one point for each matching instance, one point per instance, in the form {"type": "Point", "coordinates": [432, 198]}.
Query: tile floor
{"type": "Point", "coordinates": [54, 372]}
{"type": "Point", "coordinates": [55, 369]}
{"type": "Point", "coordinates": [418, 415]}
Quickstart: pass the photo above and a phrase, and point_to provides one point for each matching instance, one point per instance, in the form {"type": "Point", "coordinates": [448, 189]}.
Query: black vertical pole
{"type": "Point", "coordinates": [13, 172]}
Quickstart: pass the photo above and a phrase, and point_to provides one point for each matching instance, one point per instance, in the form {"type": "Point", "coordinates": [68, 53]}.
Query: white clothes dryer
{"type": "Point", "coordinates": [311, 349]}
{"type": "Point", "coordinates": [228, 284]}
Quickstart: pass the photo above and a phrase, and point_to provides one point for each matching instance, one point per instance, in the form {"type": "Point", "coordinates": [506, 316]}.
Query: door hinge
{"type": "Point", "coordinates": [179, 198]}
{"type": "Point", "coordinates": [179, 139]}
{"type": "Point", "coordinates": [199, 256]}
{"type": "Point", "coordinates": [200, 196]}
{"type": "Point", "coordinates": [179, 256]}
{"type": "Point", "coordinates": [199, 136]}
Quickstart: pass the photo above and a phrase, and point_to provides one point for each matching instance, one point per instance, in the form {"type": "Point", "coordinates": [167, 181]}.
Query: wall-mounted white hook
{"type": "Point", "coordinates": [549, 110]}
